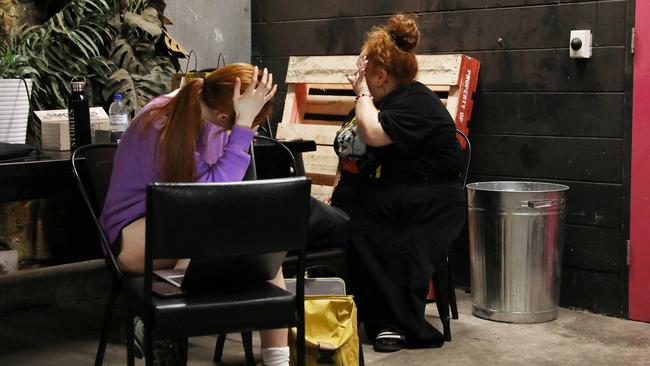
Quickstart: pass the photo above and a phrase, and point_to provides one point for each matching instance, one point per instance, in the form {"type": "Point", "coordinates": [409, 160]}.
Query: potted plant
{"type": "Point", "coordinates": [15, 92]}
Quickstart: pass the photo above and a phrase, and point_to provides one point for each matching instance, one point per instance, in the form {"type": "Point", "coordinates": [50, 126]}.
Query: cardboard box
{"type": "Point", "coordinates": [55, 131]}
{"type": "Point", "coordinates": [8, 261]}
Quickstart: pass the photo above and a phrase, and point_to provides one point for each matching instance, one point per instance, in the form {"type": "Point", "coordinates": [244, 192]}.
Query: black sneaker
{"type": "Point", "coordinates": [166, 352]}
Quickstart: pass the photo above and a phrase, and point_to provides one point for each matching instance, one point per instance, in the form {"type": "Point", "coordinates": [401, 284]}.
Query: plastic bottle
{"type": "Point", "coordinates": [78, 115]}
{"type": "Point", "coordinates": [118, 114]}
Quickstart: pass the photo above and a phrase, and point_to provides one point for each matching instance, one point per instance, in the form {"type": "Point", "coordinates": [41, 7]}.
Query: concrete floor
{"type": "Point", "coordinates": [67, 335]}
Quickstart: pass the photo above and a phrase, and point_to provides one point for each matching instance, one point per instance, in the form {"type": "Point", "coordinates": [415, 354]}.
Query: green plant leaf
{"type": "Point", "coordinates": [137, 90]}
{"type": "Point", "coordinates": [88, 37]}
{"type": "Point", "coordinates": [147, 21]}
{"type": "Point", "coordinates": [124, 56]}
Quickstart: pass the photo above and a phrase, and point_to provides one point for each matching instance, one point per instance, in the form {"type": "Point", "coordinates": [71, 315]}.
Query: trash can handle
{"type": "Point", "coordinates": [539, 203]}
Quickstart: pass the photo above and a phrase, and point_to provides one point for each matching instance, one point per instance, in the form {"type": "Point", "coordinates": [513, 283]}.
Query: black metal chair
{"type": "Point", "coordinates": [251, 198]}
{"type": "Point", "coordinates": [443, 277]}
{"type": "Point", "coordinates": [328, 261]}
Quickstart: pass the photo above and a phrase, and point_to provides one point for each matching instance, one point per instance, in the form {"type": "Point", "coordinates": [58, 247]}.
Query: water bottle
{"type": "Point", "coordinates": [78, 114]}
{"type": "Point", "coordinates": [118, 114]}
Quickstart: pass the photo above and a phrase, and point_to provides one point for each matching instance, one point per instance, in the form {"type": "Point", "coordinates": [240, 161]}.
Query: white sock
{"type": "Point", "coordinates": [275, 356]}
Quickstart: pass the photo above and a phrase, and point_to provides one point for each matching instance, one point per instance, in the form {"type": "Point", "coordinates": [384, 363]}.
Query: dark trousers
{"type": "Point", "coordinates": [328, 226]}
{"type": "Point", "coordinates": [397, 233]}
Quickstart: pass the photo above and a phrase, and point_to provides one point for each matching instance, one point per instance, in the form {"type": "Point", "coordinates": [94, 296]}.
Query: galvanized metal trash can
{"type": "Point", "coordinates": [516, 234]}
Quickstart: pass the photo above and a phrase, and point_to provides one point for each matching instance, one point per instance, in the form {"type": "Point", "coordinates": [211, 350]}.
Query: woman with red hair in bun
{"type": "Point", "coordinates": [399, 165]}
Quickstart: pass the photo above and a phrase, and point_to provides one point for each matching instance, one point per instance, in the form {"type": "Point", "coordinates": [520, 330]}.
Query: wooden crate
{"type": "Point", "coordinates": [319, 97]}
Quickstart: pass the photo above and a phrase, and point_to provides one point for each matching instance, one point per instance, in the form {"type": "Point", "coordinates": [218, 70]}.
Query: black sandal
{"type": "Point", "coordinates": [388, 341]}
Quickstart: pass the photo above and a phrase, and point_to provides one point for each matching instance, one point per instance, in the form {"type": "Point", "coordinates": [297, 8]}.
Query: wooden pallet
{"type": "Point", "coordinates": [319, 97]}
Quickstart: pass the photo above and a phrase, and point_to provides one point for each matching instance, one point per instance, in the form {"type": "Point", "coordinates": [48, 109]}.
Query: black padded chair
{"type": "Point", "coordinates": [327, 260]}
{"type": "Point", "coordinates": [262, 307]}
{"type": "Point", "coordinates": [93, 179]}
{"type": "Point", "coordinates": [320, 261]}
{"type": "Point", "coordinates": [443, 277]}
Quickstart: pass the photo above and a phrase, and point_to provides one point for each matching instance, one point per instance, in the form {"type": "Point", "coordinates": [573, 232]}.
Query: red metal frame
{"type": "Point", "coordinates": [639, 300]}
{"type": "Point", "coordinates": [468, 75]}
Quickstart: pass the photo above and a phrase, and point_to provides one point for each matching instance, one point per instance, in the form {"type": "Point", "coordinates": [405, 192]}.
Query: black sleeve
{"type": "Point", "coordinates": [411, 119]}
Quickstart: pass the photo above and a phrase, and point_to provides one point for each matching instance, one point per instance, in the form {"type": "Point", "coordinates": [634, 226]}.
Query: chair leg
{"type": "Point", "coordinates": [247, 341]}
{"type": "Point", "coordinates": [300, 345]}
{"type": "Point", "coordinates": [441, 290]}
{"type": "Point", "coordinates": [218, 348]}
{"type": "Point", "coordinates": [362, 361]}
{"type": "Point", "coordinates": [108, 319]}
{"type": "Point", "coordinates": [130, 335]}
{"type": "Point", "coordinates": [148, 346]}
{"type": "Point", "coordinates": [452, 288]}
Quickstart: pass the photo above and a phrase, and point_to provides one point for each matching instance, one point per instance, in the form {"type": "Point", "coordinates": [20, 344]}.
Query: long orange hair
{"type": "Point", "coordinates": [183, 123]}
{"type": "Point", "coordinates": [390, 47]}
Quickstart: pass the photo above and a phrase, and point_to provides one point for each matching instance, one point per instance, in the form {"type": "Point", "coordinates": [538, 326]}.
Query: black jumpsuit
{"type": "Point", "coordinates": [406, 210]}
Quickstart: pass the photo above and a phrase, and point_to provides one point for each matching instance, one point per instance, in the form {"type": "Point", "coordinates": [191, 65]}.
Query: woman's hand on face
{"type": "Point", "coordinates": [358, 79]}
{"type": "Point", "coordinates": [250, 103]}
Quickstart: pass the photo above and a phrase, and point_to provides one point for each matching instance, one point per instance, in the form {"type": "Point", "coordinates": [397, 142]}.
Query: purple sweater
{"type": "Point", "coordinates": [219, 156]}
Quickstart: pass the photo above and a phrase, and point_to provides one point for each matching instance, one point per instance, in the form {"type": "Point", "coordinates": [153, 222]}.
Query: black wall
{"type": "Point", "coordinates": [538, 114]}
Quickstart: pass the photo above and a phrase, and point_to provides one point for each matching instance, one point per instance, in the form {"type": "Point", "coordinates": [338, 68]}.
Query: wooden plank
{"type": "Point", "coordinates": [593, 204]}
{"type": "Point", "coordinates": [520, 27]}
{"type": "Point", "coordinates": [277, 65]}
{"type": "Point", "coordinates": [434, 69]}
{"type": "Point", "coordinates": [583, 159]}
{"type": "Point", "coordinates": [325, 86]}
{"type": "Point", "coordinates": [439, 88]}
{"type": "Point", "coordinates": [323, 135]}
{"type": "Point", "coordinates": [469, 69]}
{"type": "Point", "coordinates": [338, 36]}
{"type": "Point", "coordinates": [323, 122]}
{"type": "Point", "coordinates": [298, 112]}
{"type": "Point", "coordinates": [329, 104]}
{"type": "Point", "coordinates": [322, 179]}
{"type": "Point", "coordinates": [452, 102]}
{"type": "Point", "coordinates": [289, 103]}
{"type": "Point", "coordinates": [610, 26]}
{"type": "Point", "coordinates": [573, 114]}
{"type": "Point", "coordinates": [275, 10]}
{"type": "Point", "coordinates": [551, 71]}
{"type": "Point", "coordinates": [337, 103]}
{"type": "Point", "coordinates": [331, 99]}
{"type": "Point", "coordinates": [594, 249]}
{"type": "Point", "coordinates": [321, 161]}
{"type": "Point", "coordinates": [601, 292]}
{"type": "Point", "coordinates": [320, 192]}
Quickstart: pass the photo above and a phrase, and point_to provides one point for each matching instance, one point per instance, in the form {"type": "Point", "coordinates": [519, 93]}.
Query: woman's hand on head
{"type": "Point", "coordinates": [358, 79]}
{"type": "Point", "coordinates": [250, 103]}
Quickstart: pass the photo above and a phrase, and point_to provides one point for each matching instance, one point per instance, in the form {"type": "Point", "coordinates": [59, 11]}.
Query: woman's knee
{"type": "Point", "coordinates": [131, 262]}
{"type": "Point", "coordinates": [278, 280]}
{"type": "Point", "coordinates": [131, 258]}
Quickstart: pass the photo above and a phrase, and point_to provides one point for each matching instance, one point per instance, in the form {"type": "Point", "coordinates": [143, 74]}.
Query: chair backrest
{"type": "Point", "coordinates": [296, 171]}
{"type": "Point", "coordinates": [467, 158]}
{"type": "Point", "coordinates": [93, 184]}
{"type": "Point", "coordinates": [202, 220]}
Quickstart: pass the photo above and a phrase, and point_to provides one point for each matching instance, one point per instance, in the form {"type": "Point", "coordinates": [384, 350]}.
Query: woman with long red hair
{"type": "Point", "coordinates": [200, 133]}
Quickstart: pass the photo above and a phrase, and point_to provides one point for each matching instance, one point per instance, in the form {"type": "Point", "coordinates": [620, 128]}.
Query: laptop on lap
{"type": "Point", "coordinates": [205, 275]}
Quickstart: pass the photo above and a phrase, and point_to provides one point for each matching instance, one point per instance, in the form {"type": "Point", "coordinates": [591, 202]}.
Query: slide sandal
{"type": "Point", "coordinates": [388, 341]}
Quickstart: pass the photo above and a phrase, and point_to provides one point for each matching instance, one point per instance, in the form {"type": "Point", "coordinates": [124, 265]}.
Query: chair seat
{"type": "Point", "coordinates": [254, 306]}
{"type": "Point", "coordinates": [316, 256]}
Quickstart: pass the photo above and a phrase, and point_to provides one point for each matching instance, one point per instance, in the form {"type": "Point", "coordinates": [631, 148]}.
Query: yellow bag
{"type": "Point", "coordinates": [331, 336]}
